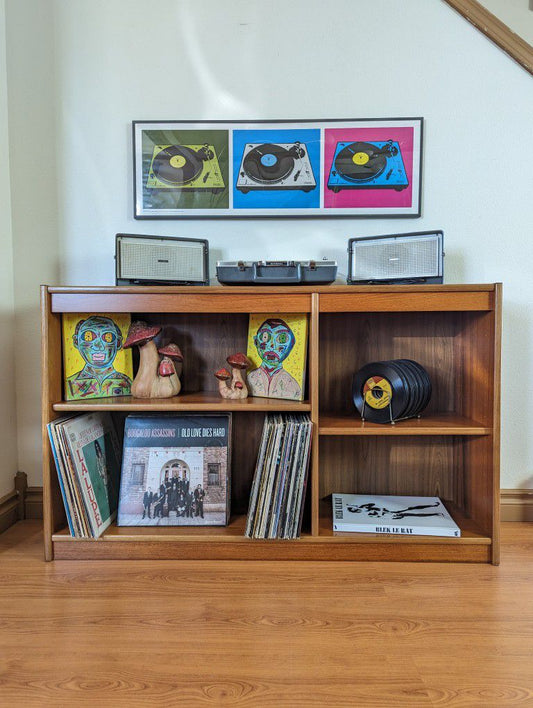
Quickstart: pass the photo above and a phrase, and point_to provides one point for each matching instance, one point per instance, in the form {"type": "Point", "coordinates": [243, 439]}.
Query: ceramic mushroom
{"type": "Point", "coordinates": [239, 363]}
{"type": "Point", "coordinates": [223, 376]}
{"type": "Point", "coordinates": [236, 388]}
{"type": "Point", "coordinates": [168, 380]}
{"type": "Point", "coordinates": [154, 379]}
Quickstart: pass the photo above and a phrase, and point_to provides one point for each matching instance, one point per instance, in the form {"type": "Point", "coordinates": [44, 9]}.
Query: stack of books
{"type": "Point", "coordinates": [278, 488]}
{"type": "Point", "coordinates": [87, 453]}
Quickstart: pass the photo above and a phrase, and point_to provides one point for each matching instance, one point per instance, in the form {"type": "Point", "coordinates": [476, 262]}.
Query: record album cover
{"type": "Point", "coordinates": [87, 453]}
{"type": "Point", "coordinates": [409, 516]}
{"type": "Point", "coordinates": [94, 363]}
{"type": "Point", "coordinates": [277, 348]}
{"type": "Point", "coordinates": [175, 470]}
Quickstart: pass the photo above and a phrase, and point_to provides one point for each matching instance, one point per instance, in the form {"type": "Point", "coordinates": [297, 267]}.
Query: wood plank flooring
{"type": "Point", "coordinates": [197, 633]}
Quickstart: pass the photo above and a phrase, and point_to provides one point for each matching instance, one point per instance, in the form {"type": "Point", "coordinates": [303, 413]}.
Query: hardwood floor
{"type": "Point", "coordinates": [165, 633]}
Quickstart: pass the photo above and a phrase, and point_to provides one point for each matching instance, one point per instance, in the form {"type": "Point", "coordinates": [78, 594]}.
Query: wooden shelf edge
{"type": "Point", "coordinates": [310, 549]}
{"type": "Point", "coordinates": [444, 424]}
{"type": "Point", "coordinates": [187, 402]}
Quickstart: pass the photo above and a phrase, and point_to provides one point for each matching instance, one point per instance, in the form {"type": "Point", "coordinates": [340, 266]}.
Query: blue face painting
{"type": "Point", "coordinates": [98, 340]}
{"type": "Point", "coordinates": [274, 341]}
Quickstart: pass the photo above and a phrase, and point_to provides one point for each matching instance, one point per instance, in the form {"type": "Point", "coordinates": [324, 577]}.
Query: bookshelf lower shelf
{"type": "Point", "coordinates": [229, 543]}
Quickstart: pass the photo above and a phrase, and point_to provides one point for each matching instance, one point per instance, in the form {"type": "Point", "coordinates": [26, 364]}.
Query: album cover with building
{"type": "Point", "coordinates": [175, 470]}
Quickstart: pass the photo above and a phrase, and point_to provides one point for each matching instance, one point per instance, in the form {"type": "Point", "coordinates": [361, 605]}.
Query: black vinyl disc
{"type": "Point", "coordinates": [268, 163]}
{"type": "Point", "coordinates": [427, 389]}
{"type": "Point", "coordinates": [416, 386]}
{"type": "Point", "coordinates": [410, 387]}
{"type": "Point", "coordinates": [424, 382]}
{"type": "Point", "coordinates": [177, 164]}
{"type": "Point", "coordinates": [360, 162]}
{"type": "Point", "coordinates": [375, 386]}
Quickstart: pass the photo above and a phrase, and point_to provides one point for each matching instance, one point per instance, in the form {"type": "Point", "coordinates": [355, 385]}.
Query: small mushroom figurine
{"type": "Point", "coordinates": [236, 387]}
{"type": "Point", "coordinates": [155, 378]}
{"type": "Point", "coordinates": [169, 383]}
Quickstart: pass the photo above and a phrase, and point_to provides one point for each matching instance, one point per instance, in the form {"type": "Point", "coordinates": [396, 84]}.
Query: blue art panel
{"type": "Point", "coordinates": [276, 169]}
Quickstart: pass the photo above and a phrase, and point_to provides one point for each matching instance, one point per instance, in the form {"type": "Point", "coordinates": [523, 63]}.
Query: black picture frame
{"type": "Point", "coordinates": [367, 167]}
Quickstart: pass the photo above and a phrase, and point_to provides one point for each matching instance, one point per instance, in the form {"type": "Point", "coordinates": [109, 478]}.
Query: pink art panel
{"type": "Point", "coordinates": [369, 197]}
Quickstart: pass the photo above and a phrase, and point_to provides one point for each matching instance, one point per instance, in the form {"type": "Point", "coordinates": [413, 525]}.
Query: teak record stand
{"type": "Point", "coordinates": [452, 451]}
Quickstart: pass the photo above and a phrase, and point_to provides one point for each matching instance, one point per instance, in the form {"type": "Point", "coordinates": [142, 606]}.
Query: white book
{"type": "Point", "coordinates": [405, 516]}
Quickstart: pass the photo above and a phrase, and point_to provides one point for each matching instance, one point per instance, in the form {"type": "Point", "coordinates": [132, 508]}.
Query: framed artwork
{"type": "Point", "coordinates": [364, 167]}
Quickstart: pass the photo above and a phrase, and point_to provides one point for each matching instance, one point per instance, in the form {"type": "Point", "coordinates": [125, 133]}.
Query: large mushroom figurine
{"type": "Point", "coordinates": [236, 388]}
{"type": "Point", "coordinates": [154, 379]}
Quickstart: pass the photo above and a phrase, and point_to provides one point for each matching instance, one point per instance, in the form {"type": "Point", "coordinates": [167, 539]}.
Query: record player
{"type": "Point", "coordinates": [367, 165]}
{"type": "Point", "coordinates": [187, 167]}
{"type": "Point", "coordinates": [275, 166]}
{"type": "Point", "coordinates": [276, 272]}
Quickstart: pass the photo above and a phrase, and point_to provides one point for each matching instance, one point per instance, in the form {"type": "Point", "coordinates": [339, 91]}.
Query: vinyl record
{"type": "Point", "coordinates": [269, 163]}
{"type": "Point", "coordinates": [375, 386]}
{"type": "Point", "coordinates": [410, 386]}
{"type": "Point", "coordinates": [361, 162]}
{"type": "Point", "coordinates": [177, 164]}
{"type": "Point", "coordinates": [415, 386]}
{"type": "Point", "coordinates": [426, 385]}
{"type": "Point", "coordinates": [402, 383]}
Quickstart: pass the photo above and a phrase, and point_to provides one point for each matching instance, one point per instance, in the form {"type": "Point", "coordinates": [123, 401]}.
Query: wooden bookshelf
{"type": "Point", "coordinates": [451, 451]}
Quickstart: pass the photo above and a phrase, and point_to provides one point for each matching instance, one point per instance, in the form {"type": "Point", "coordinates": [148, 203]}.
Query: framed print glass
{"type": "Point", "coordinates": [364, 167]}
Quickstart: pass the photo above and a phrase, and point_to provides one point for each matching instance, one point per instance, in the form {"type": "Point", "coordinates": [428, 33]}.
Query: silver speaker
{"type": "Point", "coordinates": [396, 258]}
{"type": "Point", "coordinates": [161, 260]}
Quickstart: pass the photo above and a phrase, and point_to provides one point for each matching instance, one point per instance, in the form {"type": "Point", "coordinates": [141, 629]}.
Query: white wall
{"type": "Point", "coordinates": [116, 60]}
{"type": "Point", "coordinates": [8, 432]}
{"type": "Point", "coordinates": [35, 209]}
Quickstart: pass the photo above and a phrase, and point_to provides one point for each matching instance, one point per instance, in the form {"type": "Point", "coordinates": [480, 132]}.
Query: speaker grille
{"type": "Point", "coordinates": [386, 259]}
{"type": "Point", "coordinates": [153, 260]}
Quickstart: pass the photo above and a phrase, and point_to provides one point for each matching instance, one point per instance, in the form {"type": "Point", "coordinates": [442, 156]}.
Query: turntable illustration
{"type": "Point", "coordinates": [367, 165]}
{"type": "Point", "coordinates": [270, 166]}
{"type": "Point", "coordinates": [187, 167]}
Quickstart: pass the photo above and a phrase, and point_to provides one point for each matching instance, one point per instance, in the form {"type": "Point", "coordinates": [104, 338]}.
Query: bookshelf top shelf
{"type": "Point", "coordinates": [226, 299]}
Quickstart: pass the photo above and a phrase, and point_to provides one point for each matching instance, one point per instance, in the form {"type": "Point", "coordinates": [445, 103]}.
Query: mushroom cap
{"type": "Point", "coordinates": [238, 385]}
{"type": "Point", "coordinates": [222, 374]}
{"type": "Point", "coordinates": [139, 333]}
{"type": "Point", "coordinates": [171, 350]}
{"type": "Point", "coordinates": [239, 361]}
{"type": "Point", "coordinates": [166, 367]}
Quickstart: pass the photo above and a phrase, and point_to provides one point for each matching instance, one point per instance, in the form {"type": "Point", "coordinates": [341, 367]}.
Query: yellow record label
{"type": "Point", "coordinates": [360, 158]}
{"type": "Point", "coordinates": [177, 161]}
{"type": "Point", "coordinates": [377, 392]}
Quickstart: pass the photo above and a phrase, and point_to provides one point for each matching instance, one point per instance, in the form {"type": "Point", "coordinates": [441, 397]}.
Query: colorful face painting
{"type": "Point", "coordinates": [98, 340]}
{"type": "Point", "coordinates": [274, 341]}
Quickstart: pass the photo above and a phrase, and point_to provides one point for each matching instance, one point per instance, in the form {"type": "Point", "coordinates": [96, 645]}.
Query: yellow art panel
{"type": "Point", "coordinates": [94, 363]}
{"type": "Point", "coordinates": [277, 348]}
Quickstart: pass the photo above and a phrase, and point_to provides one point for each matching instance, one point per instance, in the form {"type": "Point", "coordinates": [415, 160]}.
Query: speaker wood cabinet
{"type": "Point", "coordinates": [452, 451]}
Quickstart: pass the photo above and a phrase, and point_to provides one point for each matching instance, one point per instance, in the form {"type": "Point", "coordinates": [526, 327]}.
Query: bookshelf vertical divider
{"type": "Point", "coordinates": [452, 451]}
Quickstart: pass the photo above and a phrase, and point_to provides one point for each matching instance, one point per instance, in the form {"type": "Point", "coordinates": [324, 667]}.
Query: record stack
{"type": "Point", "coordinates": [278, 488]}
{"type": "Point", "coordinates": [87, 454]}
{"type": "Point", "coordinates": [387, 391]}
